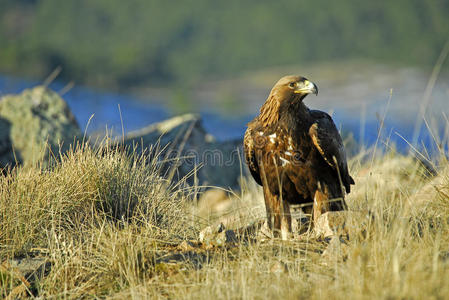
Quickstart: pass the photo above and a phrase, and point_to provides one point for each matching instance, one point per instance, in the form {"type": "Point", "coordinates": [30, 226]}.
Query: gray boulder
{"type": "Point", "coordinates": [187, 151]}
{"type": "Point", "coordinates": [35, 125]}
{"type": "Point", "coordinates": [6, 149]}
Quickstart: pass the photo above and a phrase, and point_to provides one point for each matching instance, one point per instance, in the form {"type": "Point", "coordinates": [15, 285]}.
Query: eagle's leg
{"type": "Point", "coordinates": [270, 220]}
{"type": "Point", "coordinates": [272, 209]}
{"type": "Point", "coordinates": [278, 215]}
{"type": "Point", "coordinates": [286, 221]}
{"type": "Point", "coordinates": [320, 202]}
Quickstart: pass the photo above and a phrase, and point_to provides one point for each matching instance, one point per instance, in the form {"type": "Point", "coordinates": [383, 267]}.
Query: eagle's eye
{"type": "Point", "coordinates": [292, 84]}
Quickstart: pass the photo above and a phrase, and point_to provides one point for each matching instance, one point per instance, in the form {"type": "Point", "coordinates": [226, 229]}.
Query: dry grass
{"type": "Point", "coordinates": [110, 227]}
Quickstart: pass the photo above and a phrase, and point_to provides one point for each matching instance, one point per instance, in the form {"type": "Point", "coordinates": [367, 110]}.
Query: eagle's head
{"type": "Point", "coordinates": [289, 89]}
{"type": "Point", "coordinates": [294, 87]}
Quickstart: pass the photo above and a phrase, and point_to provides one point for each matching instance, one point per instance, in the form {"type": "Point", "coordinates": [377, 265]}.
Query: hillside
{"type": "Point", "coordinates": [132, 43]}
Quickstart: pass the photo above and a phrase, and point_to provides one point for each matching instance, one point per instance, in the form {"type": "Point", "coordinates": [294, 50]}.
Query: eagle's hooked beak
{"type": "Point", "coordinates": [306, 87]}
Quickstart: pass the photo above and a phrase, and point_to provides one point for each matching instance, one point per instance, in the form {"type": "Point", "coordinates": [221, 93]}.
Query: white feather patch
{"type": "Point", "coordinates": [284, 161]}
{"type": "Point", "coordinates": [290, 144]}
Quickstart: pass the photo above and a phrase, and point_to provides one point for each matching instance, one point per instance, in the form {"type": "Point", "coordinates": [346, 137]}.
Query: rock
{"type": "Point", "coordinates": [31, 266]}
{"type": "Point", "coordinates": [217, 236]}
{"type": "Point", "coordinates": [336, 251]}
{"type": "Point", "coordinates": [209, 232]}
{"type": "Point", "coordinates": [330, 224]}
{"type": "Point", "coordinates": [341, 224]}
{"type": "Point", "coordinates": [434, 189]}
{"type": "Point", "coordinates": [186, 246]}
{"type": "Point", "coordinates": [278, 267]}
{"type": "Point", "coordinates": [30, 120]}
{"type": "Point", "coordinates": [14, 285]}
{"type": "Point", "coordinates": [213, 201]}
{"type": "Point", "coordinates": [264, 232]}
{"type": "Point", "coordinates": [188, 151]}
{"type": "Point", "coordinates": [387, 174]}
{"type": "Point", "coordinates": [226, 237]}
{"type": "Point", "coordinates": [24, 272]}
{"type": "Point", "coordinates": [6, 149]}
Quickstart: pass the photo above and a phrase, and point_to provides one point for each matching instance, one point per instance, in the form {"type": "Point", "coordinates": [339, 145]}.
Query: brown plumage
{"type": "Point", "coordinates": [296, 154]}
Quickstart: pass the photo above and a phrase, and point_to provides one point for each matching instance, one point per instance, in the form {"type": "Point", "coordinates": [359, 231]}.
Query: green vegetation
{"type": "Point", "coordinates": [136, 42]}
{"type": "Point", "coordinates": [111, 227]}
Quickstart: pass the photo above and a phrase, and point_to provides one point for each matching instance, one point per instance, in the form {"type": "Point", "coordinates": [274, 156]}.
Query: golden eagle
{"type": "Point", "coordinates": [296, 154]}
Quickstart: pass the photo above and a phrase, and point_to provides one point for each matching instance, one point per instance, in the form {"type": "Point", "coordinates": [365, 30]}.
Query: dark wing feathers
{"type": "Point", "coordinates": [327, 140]}
{"type": "Point", "coordinates": [250, 155]}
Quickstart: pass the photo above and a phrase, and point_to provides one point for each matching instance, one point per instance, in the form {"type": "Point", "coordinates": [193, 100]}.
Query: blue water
{"type": "Point", "coordinates": [136, 113]}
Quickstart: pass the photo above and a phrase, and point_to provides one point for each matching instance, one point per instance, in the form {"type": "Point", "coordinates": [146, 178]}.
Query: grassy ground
{"type": "Point", "coordinates": [111, 227]}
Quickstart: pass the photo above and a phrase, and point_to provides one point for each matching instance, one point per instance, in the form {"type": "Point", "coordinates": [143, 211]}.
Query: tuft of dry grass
{"type": "Point", "coordinates": [111, 227]}
{"type": "Point", "coordinates": [94, 215]}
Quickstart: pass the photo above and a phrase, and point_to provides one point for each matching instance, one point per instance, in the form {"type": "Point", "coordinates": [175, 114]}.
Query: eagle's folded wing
{"type": "Point", "coordinates": [327, 140]}
{"type": "Point", "coordinates": [250, 155]}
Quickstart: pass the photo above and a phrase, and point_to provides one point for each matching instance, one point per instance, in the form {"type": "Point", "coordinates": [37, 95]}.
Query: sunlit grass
{"type": "Point", "coordinates": [111, 227]}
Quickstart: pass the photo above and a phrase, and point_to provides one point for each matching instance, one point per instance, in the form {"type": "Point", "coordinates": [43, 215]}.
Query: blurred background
{"type": "Point", "coordinates": [378, 64]}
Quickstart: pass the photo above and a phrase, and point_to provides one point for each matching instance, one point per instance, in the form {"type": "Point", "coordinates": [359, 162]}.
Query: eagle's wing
{"type": "Point", "coordinates": [250, 154]}
{"type": "Point", "coordinates": [328, 141]}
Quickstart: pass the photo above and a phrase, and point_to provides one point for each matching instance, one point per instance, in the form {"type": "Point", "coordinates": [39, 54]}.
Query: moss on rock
{"type": "Point", "coordinates": [32, 120]}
